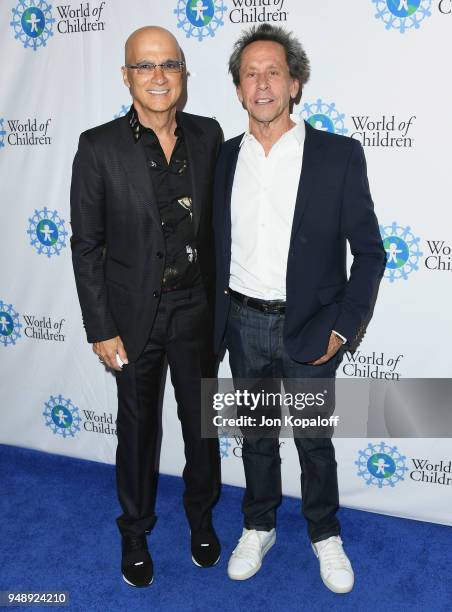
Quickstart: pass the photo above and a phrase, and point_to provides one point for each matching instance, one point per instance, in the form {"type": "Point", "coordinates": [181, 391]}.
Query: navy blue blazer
{"type": "Point", "coordinates": [333, 205]}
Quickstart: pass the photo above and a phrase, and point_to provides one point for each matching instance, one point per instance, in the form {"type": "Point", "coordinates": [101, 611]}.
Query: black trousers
{"type": "Point", "coordinates": [182, 335]}
{"type": "Point", "coordinates": [256, 351]}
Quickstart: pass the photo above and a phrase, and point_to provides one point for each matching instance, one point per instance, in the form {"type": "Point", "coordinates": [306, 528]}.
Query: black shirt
{"type": "Point", "coordinates": [173, 189]}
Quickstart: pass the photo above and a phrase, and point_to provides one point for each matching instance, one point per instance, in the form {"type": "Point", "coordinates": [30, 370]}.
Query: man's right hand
{"type": "Point", "coordinates": [107, 351]}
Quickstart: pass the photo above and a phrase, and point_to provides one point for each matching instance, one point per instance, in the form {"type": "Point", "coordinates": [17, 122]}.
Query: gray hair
{"type": "Point", "coordinates": [297, 60]}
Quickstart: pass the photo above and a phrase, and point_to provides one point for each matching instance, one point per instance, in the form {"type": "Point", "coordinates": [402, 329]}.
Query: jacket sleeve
{"type": "Point", "coordinates": [360, 226]}
{"type": "Point", "coordinates": [88, 243]}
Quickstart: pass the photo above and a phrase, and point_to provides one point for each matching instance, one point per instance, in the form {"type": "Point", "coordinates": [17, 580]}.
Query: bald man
{"type": "Point", "coordinates": [143, 260]}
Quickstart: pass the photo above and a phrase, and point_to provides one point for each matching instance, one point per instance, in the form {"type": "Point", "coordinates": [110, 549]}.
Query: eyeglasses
{"type": "Point", "coordinates": [148, 67]}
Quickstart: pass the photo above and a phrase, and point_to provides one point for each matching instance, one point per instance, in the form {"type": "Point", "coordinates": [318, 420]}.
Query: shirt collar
{"type": "Point", "coordinates": [138, 129]}
{"type": "Point", "coordinates": [298, 132]}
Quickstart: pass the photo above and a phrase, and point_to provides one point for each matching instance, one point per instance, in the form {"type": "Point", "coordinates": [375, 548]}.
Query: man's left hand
{"type": "Point", "coordinates": [334, 345]}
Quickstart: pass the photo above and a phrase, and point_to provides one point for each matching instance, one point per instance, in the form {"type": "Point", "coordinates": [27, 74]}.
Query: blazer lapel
{"type": "Point", "coordinates": [134, 161]}
{"type": "Point", "coordinates": [309, 176]}
{"type": "Point", "coordinates": [230, 166]}
{"type": "Point", "coordinates": [196, 152]}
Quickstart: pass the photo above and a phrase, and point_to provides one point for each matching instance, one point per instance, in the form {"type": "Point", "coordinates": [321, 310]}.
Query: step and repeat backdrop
{"type": "Point", "coordinates": [379, 74]}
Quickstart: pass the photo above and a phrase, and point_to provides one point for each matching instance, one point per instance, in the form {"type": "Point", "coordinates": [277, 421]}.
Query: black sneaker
{"type": "Point", "coordinates": [136, 564]}
{"type": "Point", "coordinates": [205, 547]}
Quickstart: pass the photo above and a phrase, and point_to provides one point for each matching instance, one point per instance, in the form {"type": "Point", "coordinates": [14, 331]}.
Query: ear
{"type": "Point", "coordinates": [125, 76]}
{"type": "Point", "coordinates": [238, 89]}
{"type": "Point", "coordinates": [294, 88]}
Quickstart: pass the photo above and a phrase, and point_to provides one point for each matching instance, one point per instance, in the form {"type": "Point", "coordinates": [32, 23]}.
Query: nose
{"type": "Point", "coordinates": [262, 81]}
{"type": "Point", "coordinates": [158, 76]}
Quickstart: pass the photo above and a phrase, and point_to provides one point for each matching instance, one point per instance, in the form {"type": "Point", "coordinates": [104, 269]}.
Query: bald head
{"type": "Point", "coordinates": [155, 92]}
{"type": "Point", "coordinates": [154, 36]}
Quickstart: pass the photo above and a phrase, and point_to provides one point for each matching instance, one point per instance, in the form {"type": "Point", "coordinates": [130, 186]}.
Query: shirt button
{"type": "Point", "coordinates": [159, 254]}
{"type": "Point", "coordinates": [226, 292]}
{"type": "Point", "coordinates": [156, 294]}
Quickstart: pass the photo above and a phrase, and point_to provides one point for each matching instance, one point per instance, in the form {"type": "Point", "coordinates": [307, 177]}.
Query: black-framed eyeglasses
{"type": "Point", "coordinates": [148, 67]}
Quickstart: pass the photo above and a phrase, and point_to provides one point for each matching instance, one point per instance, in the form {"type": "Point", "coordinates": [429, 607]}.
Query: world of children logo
{"type": "Point", "coordinates": [200, 18]}
{"type": "Point", "coordinates": [47, 232]}
{"type": "Point", "coordinates": [387, 131]}
{"type": "Point", "coordinates": [2, 133]}
{"type": "Point", "coordinates": [64, 418]}
{"type": "Point", "coordinates": [381, 465]}
{"type": "Point", "coordinates": [25, 132]}
{"type": "Point", "coordinates": [402, 251]}
{"type": "Point", "coordinates": [402, 15]}
{"type": "Point", "coordinates": [224, 444]}
{"type": "Point", "coordinates": [324, 116]}
{"type": "Point", "coordinates": [46, 328]}
{"type": "Point", "coordinates": [10, 324]}
{"type": "Point", "coordinates": [34, 23]}
{"type": "Point", "coordinates": [61, 416]}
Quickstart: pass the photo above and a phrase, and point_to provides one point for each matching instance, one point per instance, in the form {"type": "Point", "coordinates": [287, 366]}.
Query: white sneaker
{"type": "Point", "coordinates": [246, 558]}
{"type": "Point", "coordinates": [335, 567]}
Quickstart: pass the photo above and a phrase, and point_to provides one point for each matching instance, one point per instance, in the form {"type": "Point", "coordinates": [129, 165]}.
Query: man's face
{"type": "Point", "coordinates": [157, 92]}
{"type": "Point", "coordinates": [266, 87]}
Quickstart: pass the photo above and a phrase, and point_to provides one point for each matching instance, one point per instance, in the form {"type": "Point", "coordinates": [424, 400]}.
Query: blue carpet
{"type": "Point", "coordinates": [58, 534]}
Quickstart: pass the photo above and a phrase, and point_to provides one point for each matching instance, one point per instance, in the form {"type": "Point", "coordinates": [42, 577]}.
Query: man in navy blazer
{"type": "Point", "coordinates": [287, 199]}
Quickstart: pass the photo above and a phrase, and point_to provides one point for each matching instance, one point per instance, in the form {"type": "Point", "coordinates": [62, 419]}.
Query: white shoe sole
{"type": "Point", "coordinates": [204, 567]}
{"type": "Point", "coordinates": [134, 585]}
{"type": "Point", "coordinates": [336, 589]}
{"type": "Point", "coordinates": [254, 570]}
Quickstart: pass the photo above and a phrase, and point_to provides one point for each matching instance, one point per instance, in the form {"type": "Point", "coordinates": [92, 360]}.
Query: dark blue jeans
{"type": "Point", "coordinates": [256, 350]}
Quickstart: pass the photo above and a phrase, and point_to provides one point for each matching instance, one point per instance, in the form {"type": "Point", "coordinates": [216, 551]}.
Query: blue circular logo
{"type": "Point", "coordinates": [200, 18]}
{"type": "Point", "coordinates": [200, 12]}
{"type": "Point", "coordinates": [33, 22]}
{"type": "Point", "coordinates": [381, 465]}
{"type": "Point", "coordinates": [224, 444]}
{"type": "Point", "coordinates": [47, 232]}
{"type": "Point", "coordinates": [2, 133]}
{"type": "Point", "coordinates": [321, 122]}
{"type": "Point", "coordinates": [323, 116]}
{"type": "Point", "coordinates": [403, 8]}
{"type": "Point", "coordinates": [402, 251]}
{"type": "Point", "coordinates": [9, 324]}
{"type": "Point", "coordinates": [397, 252]}
{"type": "Point", "coordinates": [6, 323]}
{"type": "Point", "coordinates": [402, 15]}
{"type": "Point", "coordinates": [61, 416]}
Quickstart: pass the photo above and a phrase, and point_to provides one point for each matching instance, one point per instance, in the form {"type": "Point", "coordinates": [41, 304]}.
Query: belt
{"type": "Point", "coordinates": [269, 307]}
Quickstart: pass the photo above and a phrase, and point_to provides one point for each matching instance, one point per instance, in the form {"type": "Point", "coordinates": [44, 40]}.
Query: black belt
{"type": "Point", "coordinates": [271, 307]}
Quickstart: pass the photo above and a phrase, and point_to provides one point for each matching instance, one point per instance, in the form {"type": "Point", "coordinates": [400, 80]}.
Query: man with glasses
{"type": "Point", "coordinates": [144, 267]}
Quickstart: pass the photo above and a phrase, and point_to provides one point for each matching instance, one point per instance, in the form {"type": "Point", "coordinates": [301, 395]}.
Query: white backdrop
{"type": "Point", "coordinates": [378, 74]}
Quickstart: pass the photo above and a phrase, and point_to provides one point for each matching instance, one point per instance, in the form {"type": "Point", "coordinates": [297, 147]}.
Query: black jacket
{"type": "Point", "coordinates": [118, 248]}
{"type": "Point", "coordinates": [333, 206]}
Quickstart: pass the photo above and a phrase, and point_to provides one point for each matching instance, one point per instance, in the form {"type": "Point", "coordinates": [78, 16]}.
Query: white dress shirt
{"type": "Point", "coordinates": [262, 208]}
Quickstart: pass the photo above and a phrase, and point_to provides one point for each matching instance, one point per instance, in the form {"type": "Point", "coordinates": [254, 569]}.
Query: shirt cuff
{"type": "Point", "coordinates": [344, 340]}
